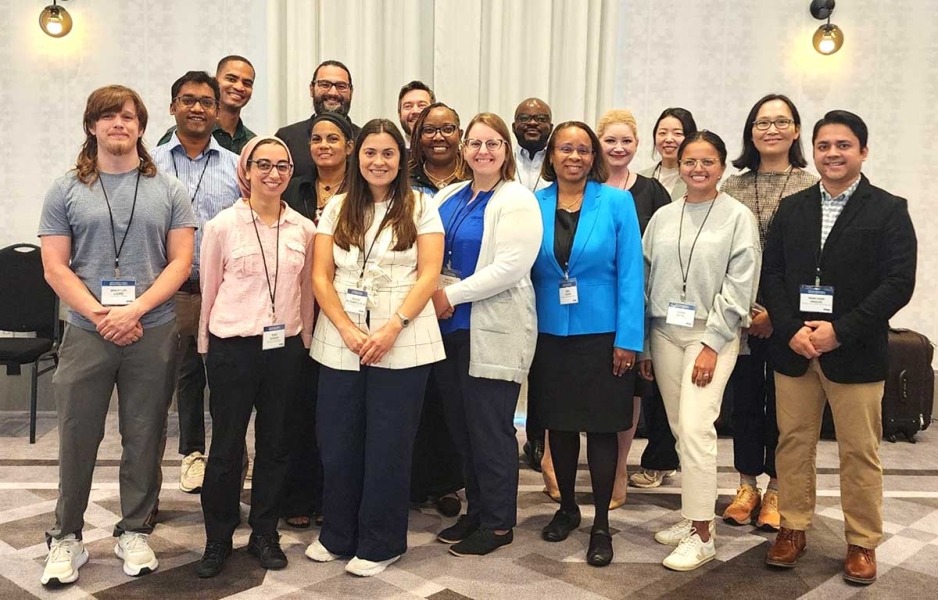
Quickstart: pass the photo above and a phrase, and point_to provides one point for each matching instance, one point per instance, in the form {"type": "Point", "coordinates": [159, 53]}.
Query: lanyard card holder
{"type": "Point", "coordinates": [681, 314]}
{"type": "Point", "coordinates": [118, 292]}
{"type": "Point", "coordinates": [274, 337]}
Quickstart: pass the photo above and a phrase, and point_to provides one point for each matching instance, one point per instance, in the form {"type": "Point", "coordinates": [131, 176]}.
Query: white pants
{"type": "Point", "coordinates": [691, 410]}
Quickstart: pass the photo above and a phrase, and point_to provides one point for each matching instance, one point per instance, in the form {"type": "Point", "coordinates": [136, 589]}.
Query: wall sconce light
{"type": "Point", "coordinates": [828, 38]}
{"type": "Point", "coordinates": [55, 21]}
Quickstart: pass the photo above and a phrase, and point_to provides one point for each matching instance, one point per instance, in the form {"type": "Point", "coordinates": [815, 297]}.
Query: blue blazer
{"type": "Point", "coordinates": [606, 261]}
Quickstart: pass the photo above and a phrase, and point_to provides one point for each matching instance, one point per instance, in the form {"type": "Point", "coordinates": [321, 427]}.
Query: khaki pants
{"type": "Point", "coordinates": [857, 410]}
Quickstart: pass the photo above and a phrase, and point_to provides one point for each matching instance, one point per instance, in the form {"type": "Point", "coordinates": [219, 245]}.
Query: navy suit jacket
{"type": "Point", "coordinates": [606, 261]}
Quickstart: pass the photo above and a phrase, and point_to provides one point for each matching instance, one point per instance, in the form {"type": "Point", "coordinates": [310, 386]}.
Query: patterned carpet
{"type": "Point", "coordinates": [528, 568]}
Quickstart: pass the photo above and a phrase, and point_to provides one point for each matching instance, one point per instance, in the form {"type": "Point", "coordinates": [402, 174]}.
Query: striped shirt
{"type": "Point", "coordinates": [211, 179]}
{"type": "Point", "coordinates": [831, 208]}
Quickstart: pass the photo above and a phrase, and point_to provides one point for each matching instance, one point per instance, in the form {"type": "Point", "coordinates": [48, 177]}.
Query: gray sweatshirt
{"type": "Point", "coordinates": [722, 275]}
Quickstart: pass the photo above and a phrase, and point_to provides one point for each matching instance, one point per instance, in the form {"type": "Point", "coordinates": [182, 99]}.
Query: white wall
{"type": "Point", "coordinates": [715, 57]}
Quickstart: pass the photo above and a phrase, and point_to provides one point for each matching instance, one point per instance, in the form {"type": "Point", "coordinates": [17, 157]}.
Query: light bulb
{"type": "Point", "coordinates": [55, 21]}
{"type": "Point", "coordinates": [828, 39]}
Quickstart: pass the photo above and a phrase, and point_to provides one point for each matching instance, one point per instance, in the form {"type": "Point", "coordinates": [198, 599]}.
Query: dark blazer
{"type": "Point", "coordinates": [869, 258]}
{"type": "Point", "coordinates": [296, 137]}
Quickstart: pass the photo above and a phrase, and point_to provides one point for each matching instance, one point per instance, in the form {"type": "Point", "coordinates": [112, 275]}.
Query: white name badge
{"type": "Point", "coordinates": [817, 299]}
{"type": "Point", "coordinates": [681, 314]}
{"type": "Point", "coordinates": [274, 337]}
{"type": "Point", "coordinates": [448, 277]}
{"type": "Point", "coordinates": [356, 301]}
{"type": "Point", "coordinates": [568, 292]}
{"type": "Point", "coordinates": [118, 292]}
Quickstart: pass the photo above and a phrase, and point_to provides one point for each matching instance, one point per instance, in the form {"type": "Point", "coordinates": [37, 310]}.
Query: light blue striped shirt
{"type": "Point", "coordinates": [211, 178]}
{"type": "Point", "coordinates": [831, 208]}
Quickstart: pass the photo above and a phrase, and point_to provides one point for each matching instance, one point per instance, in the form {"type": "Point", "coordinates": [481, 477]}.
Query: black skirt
{"type": "Point", "coordinates": [571, 382]}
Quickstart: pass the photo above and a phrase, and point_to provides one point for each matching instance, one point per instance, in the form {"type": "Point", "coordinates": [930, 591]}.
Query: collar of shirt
{"type": "Point", "coordinates": [213, 146]}
{"type": "Point", "coordinates": [287, 216]}
{"type": "Point", "coordinates": [522, 155]}
{"type": "Point", "coordinates": [826, 198]}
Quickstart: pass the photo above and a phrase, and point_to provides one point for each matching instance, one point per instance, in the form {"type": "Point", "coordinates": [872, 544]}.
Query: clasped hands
{"type": "Point", "coordinates": [371, 347]}
{"type": "Point", "coordinates": [814, 339]}
{"type": "Point", "coordinates": [119, 325]}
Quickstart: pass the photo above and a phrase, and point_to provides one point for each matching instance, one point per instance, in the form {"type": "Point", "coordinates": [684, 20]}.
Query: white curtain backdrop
{"type": "Point", "coordinates": [484, 55]}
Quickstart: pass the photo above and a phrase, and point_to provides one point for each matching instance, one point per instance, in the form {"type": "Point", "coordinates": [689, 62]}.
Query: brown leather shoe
{"type": "Point", "coordinates": [788, 547]}
{"type": "Point", "coordinates": [860, 565]}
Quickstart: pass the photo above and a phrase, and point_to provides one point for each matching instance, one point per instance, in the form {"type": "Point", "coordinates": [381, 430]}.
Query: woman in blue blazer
{"type": "Point", "coordinates": [588, 284]}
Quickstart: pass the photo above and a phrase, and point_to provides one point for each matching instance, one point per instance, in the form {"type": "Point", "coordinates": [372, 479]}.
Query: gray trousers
{"type": "Point", "coordinates": [89, 367]}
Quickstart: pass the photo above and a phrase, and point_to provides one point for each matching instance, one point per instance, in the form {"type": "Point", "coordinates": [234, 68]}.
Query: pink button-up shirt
{"type": "Point", "coordinates": [235, 293]}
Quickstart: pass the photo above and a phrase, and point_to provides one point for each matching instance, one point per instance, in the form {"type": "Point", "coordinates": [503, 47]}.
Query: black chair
{"type": "Point", "coordinates": [27, 304]}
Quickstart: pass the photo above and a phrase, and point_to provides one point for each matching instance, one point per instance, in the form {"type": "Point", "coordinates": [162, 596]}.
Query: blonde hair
{"type": "Point", "coordinates": [617, 115]}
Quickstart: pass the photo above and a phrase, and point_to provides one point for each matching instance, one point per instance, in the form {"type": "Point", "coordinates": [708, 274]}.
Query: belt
{"type": "Point", "coordinates": [190, 286]}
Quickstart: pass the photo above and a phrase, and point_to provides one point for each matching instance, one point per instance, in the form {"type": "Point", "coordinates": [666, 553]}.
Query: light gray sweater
{"type": "Point", "coordinates": [723, 275]}
{"type": "Point", "coordinates": [503, 321]}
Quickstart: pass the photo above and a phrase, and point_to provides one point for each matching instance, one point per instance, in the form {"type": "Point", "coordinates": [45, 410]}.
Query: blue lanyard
{"type": "Point", "coordinates": [451, 229]}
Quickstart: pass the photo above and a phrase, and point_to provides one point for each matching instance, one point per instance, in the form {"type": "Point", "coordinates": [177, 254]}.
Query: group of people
{"type": "Point", "coordinates": [378, 295]}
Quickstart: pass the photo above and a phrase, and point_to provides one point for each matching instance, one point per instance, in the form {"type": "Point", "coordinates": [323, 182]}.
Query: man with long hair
{"type": "Point", "coordinates": [117, 242]}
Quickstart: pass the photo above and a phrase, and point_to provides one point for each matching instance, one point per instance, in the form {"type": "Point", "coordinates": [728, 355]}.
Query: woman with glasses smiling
{"type": "Point", "coordinates": [702, 257]}
{"type": "Point", "coordinates": [773, 160]}
{"type": "Point", "coordinates": [588, 284]}
{"type": "Point", "coordinates": [486, 308]}
{"type": "Point", "coordinates": [435, 161]}
{"type": "Point", "coordinates": [257, 317]}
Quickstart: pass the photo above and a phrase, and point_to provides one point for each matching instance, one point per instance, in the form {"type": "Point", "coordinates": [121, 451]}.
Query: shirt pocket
{"type": "Point", "coordinates": [294, 257]}
{"type": "Point", "coordinates": [246, 261]}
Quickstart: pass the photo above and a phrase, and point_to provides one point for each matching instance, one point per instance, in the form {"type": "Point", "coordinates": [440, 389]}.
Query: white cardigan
{"type": "Point", "coordinates": [503, 320]}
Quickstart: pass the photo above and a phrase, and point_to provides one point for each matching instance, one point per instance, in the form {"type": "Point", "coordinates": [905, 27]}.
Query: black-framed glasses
{"type": "Point", "coordinates": [568, 149]}
{"type": "Point", "coordinates": [525, 118]}
{"type": "Point", "coordinates": [780, 123]}
{"type": "Point", "coordinates": [324, 85]}
{"type": "Point", "coordinates": [490, 145]}
{"type": "Point", "coordinates": [264, 166]}
{"type": "Point", "coordinates": [429, 131]}
{"type": "Point", "coordinates": [190, 101]}
{"type": "Point", "coordinates": [706, 163]}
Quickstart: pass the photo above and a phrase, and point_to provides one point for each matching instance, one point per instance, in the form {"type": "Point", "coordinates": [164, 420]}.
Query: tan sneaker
{"type": "Point", "coordinates": [740, 511]}
{"type": "Point", "coordinates": [192, 472]}
{"type": "Point", "coordinates": [649, 478]}
{"type": "Point", "coordinates": [768, 514]}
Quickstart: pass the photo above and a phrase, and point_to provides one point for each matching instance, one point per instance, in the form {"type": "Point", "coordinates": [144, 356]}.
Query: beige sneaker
{"type": "Point", "coordinates": [768, 514]}
{"type": "Point", "coordinates": [649, 478]}
{"type": "Point", "coordinates": [192, 472]}
{"type": "Point", "coordinates": [740, 511]}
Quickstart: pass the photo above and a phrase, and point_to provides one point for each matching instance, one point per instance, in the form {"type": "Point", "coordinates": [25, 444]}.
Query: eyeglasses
{"type": "Point", "coordinates": [568, 149]}
{"type": "Point", "coordinates": [190, 101]}
{"type": "Point", "coordinates": [780, 123]}
{"type": "Point", "coordinates": [490, 145]}
{"type": "Point", "coordinates": [325, 85]}
{"type": "Point", "coordinates": [264, 166]}
{"type": "Point", "coordinates": [524, 118]}
{"type": "Point", "coordinates": [429, 131]}
{"type": "Point", "coordinates": [706, 163]}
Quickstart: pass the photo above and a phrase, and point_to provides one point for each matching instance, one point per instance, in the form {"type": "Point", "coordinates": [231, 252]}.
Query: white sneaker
{"type": "Point", "coordinates": [192, 472]}
{"type": "Point", "coordinates": [367, 568]}
{"type": "Point", "coordinates": [66, 556]}
{"type": "Point", "coordinates": [691, 553]}
{"type": "Point", "coordinates": [316, 551]}
{"type": "Point", "coordinates": [134, 549]}
{"type": "Point", "coordinates": [673, 535]}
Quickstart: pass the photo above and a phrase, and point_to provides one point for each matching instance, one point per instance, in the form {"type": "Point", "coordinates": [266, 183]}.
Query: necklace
{"type": "Point", "coordinates": [625, 182]}
{"type": "Point", "coordinates": [436, 181]}
{"type": "Point", "coordinates": [326, 192]}
{"type": "Point", "coordinates": [570, 206]}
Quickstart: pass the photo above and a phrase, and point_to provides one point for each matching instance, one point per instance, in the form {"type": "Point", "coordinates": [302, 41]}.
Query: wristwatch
{"type": "Point", "coordinates": [404, 320]}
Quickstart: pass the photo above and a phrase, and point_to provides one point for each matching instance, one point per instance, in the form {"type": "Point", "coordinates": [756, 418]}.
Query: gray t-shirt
{"type": "Point", "coordinates": [74, 209]}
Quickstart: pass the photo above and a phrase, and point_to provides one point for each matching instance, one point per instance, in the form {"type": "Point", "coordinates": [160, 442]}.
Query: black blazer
{"type": "Point", "coordinates": [869, 258]}
{"type": "Point", "coordinates": [296, 137]}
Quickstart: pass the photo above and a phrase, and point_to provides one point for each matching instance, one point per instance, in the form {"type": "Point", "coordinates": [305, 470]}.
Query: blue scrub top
{"type": "Point", "coordinates": [463, 223]}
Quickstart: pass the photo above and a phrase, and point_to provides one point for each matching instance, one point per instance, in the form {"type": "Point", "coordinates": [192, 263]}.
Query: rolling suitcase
{"type": "Point", "coordinates": [909, 394]}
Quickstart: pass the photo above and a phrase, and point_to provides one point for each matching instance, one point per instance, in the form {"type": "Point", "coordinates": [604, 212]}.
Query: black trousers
{"type": "Point", "coordinates": [755, 430]}
{"type": "Point", "coordinates": [480, 413]}
{"type": "Point", "coordinates": [302, 487]}
{"type": "Point", "coordinates": [661, 452]}
{"type": "Point", "coordinates": [437, 466]}
{"type": "Point", "coordinates": [366, 422]}
{"type": "Point", "coordinates": [242, 378]}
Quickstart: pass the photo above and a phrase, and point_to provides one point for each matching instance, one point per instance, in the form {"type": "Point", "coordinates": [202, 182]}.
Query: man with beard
{"type": "Point", "coordinates": [331, 91]}
{"type": "Point", "coordinates": [412, 99]}
{"type": "Point", "coordinates": [117, 242]}
{"type": "Point", "coordinates": [532, 127]}
{"type": "Point", "coordinates": [210, 173]}
{"type": "Point", "coordinates": [235, 76]}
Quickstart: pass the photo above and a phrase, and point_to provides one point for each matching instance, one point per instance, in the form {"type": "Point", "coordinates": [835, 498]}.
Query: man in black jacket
{"type": "Point", "coordinates": [839, 262]}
